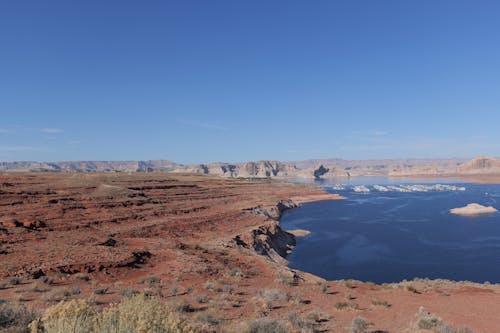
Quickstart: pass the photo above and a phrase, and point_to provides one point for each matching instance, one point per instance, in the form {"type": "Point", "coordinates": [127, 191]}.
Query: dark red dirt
{"type": "Point", "coordinates": [190, 238]}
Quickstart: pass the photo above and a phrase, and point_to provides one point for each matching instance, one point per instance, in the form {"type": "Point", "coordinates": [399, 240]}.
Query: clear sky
{"type": "Point", "coordinates": [203, 81]}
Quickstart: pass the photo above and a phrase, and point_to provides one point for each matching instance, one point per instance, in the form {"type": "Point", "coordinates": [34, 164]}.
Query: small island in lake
{"type": "Point", "coordinates": [473, 209]}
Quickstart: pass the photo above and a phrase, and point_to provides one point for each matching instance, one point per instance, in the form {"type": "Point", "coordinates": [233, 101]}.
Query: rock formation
{"type": "Point", "coordinates": [481, 165]}
{"type": "Point", "coordinates": [473, 209]}
{"type": "Point", "coordinates": [310, 169]}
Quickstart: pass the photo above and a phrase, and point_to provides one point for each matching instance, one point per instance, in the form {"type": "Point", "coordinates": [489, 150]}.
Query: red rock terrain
{"type": "Point", "coordinates": [213, 245]}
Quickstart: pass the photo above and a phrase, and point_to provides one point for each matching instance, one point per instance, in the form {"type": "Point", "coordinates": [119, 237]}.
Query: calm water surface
{"type": "Point", "coordinates": [391, 236]}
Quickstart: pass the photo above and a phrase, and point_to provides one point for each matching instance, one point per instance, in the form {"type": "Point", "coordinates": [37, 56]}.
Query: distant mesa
{"type": "Point", "coordinates": [481, 165]}
{"type": "Point", "coordinates": [308, 169]}
{"type": "Point", "coordinates": [473, 209]}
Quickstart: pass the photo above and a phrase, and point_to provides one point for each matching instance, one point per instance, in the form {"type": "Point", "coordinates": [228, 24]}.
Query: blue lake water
{"type": "Point", "coordinates": [390, 236]}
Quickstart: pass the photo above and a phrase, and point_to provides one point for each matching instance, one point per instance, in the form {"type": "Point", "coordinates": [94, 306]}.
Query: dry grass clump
{"type": "Point", "coordinates": [14, 318]}
{"type": "Point", "coordinates": [287, 278]}
{"type": "Point", "coordinates": [428, 321]}
{"type": "Point", "coordinates": [150, 281]}
{"type": "Point", "coordinates": [264, 325]}
{"type": "Point", "coordinates": [346, 306]}
{"type": "Point", "coordinates": [76, 316]}
{"type": "Point", "coordinates": [412, 289]}
{"type": "Point", "coordinates": [351, 284]}
{"type": "Point", "coordinates": [384, 304]}
{"type": "Point", "coordinates": [299, 323]}
{"type": "Point", "coordinates": [82, 277]}
{"type": "Point", "coordinates": [57, 295]}
{"type": "Point", "coordinates": [134, 314]}
{"type": "Point", "coordinates": [235, 272]}
{"type": "Point", "coordinates": [359, 325]}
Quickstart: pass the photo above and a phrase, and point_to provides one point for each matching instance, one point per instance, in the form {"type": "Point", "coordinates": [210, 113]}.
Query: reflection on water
{"type": "Point", "coordinates": [387, 236]}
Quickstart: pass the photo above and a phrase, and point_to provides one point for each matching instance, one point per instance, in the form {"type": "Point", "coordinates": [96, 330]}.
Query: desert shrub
{"type": "Point", "coordinates": [14, 281]}
{"type": "Point", "coordinates": [46, 280]}
{"type": "Point", "coordinates": [299, 323]}
{"type": "Point", "coordinates": [207, 318]}
{"type": "Point", "coordinates": [133, 314]}
{"type": "Point", "coordinates": [82, 276]}
{"type": "Point", "coordinates": [296, 299]}
{"type": "Point", "coordinates": [273, 295]}
{"type": "Point", "coordinates": [412, 289]}
{"type": "Point", "coordinates": [37, 289]}
{"type": "Point", "coordinates": [101, 291]}
{"type": "Point", "coordinates": [202, 298]}
{"type": "Point", "coordinates": [76, 316]}
{"type": "Point", "coordinates": [318, 316]}
{"type": "Point", "coordinates": [428, 321]}
{"type": "Point", "coordinates": [349, 284]}
{"type": "Point", "coordinates": [141, 314]}
{"type": "Point", "coordinates": [358, 325]}
{"type": "Point", "coordinates": [341, 305]}
{"type": "Point", "coordinates": [209, 285]}
{"type": "Point", "coordinates": [287, 278]}
{"type": "Point", "coordinates": [182, 307]}
{"type": "Point", "coordinates": [265, 326]}
{"type": "Point", "coordinates": [150, 280]}
{"type": "Point", "coordinates": [127, 292]}
{"type": "Point", "coordinates": [452, 329]}
{"type": "Point", "coordinates": [384, 304]}
{"type": "Point", "coordinates": [57, 295]}
{"type": "Point", "coordinates": [15, 318]}
{"type": "Point", "coordinates": [323, 286]}
{"type": "Point", "coordinates": [235, 272]}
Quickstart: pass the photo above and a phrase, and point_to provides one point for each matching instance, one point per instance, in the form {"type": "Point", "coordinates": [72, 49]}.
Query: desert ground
{"type": "Point", "coordinates": [209, 244]}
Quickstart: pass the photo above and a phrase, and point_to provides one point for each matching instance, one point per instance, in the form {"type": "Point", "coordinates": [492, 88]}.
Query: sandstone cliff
{"type": "Point", "coordinates": [481, 165]}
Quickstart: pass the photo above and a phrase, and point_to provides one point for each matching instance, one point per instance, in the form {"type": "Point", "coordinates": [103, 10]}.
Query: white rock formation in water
{"type": "Point", "coordinates": [361, 189]}
{"type": "Point", "coordinates": [473, 209]}
{"type": "Point", "coordinates": [381, 188]}
{"type": "Point", "coordinates": [418, 188]}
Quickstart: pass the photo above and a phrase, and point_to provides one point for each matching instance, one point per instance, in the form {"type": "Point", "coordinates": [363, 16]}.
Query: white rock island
{"type": "Point", "coordinates": [473, 209]}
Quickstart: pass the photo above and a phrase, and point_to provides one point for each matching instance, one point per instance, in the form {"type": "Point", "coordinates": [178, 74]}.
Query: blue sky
{"type": "Point", "coordinates": [202, 81]}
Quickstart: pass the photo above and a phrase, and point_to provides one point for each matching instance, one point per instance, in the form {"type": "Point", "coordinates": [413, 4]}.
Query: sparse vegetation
{"type": "Point", "coordinates": [299, 323]}
{"type": "Point", "coordinates": [349, 284]}
{"type": "Point", "coordinates": [287, 278]}
{"type": "Point", "coordinates": [202, 299]}
{"type": "Point", "coordinates": [318, 316]}
{"type": "Point", "coordinates": [14, 318]}
{"type": "Point", "coordinates": [82, 276]}
{"type": "Point", "coordinates": [14, 281]}
{"type": "Point", "coordinates": [384, 304]}
{"type": "Point", "coordinates": [47, 280]}
{"type": "Point", "coordinates": [412, 289]}
{"type": "Point", "coordinates": [133, 314]}
{"type": "Point", "coordinates": [346, 306]}
{"type": "Point", "coordinates": [150, 281]}
{"type": "Point", "coordinates": [266, 325]}
{"type": "Point", "coordinates": [127, 292]}
{"type": "Point", "coordinates": [428, 321]}
{"type": "Point", "coordinates": [235, 272]}
{"type": "Point", "coordinates": [207, 318]}
{"type": "Point", "coordinates": [359, 325]}
{"type": "Point", "coordinates": [57, 295]}
{"type": "Point", "coordinates": [101, 291]}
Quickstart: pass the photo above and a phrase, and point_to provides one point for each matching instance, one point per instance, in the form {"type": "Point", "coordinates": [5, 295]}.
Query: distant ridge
{"type": "Point", "coordinates": [89, 166]}
{"type": "Point", "coordinates": [314, 168]}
